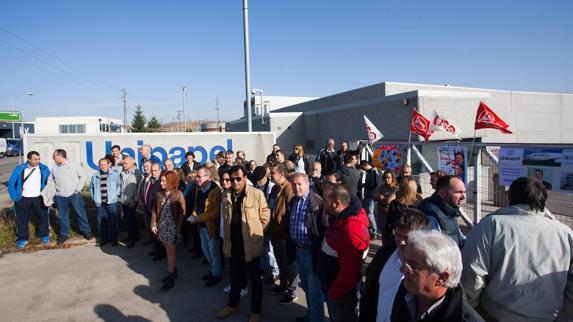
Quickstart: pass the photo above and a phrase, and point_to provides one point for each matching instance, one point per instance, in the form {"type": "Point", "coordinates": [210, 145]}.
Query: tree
{"type": "Point", "coordinates": [139, 120]}
{"type": "Point", "coordinates": [153, 125]}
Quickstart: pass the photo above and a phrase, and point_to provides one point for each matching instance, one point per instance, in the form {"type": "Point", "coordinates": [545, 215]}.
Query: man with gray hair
{"type": "Point", "coordinates": [146, 154]}
{"type": "Point", "coordinates": [432, 268]}
{"type": "Point", "coordinates": [130, 181]}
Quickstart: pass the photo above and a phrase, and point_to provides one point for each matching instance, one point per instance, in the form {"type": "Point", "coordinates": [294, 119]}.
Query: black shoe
{"type": "Point", "coordinates": [168, 284]}
{"type": "Point", "coordinates": [61, 240]}
{"type": "Point", "coordinates": [205, 262]}
{"type": "Point", "coordinates": [88, 236]}
{"type": "Point", "coordinates": [288, 298]}
{"type": "Point", "coordinates": [131, 244]}
{"type": "Point", "coordinates": [174, 275]}
{"type": "Point", "coordinates": [153, 253]}
{"type": "Point", "coordinates": [114, 243]}
{"type": "Point", "coordinates": [278, 290]}
{"type": "Point", "coordinates": [159, 257]}
{"type": "Point", "coordinates": [101, 242]}
{"type": "Point", "coordinates": [206, 277]}
{"type": "Point", "coordinates": [214, 280]}
{"type": "Point", "coordinates": [302, 319]}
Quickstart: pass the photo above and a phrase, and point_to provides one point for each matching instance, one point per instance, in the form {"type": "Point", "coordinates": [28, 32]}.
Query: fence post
{"type": "Point", "coordinates": [477, 185]}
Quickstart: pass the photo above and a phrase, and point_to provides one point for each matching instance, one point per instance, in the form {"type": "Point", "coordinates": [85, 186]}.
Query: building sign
{"type": "Point", "coordinates": [10, 116]}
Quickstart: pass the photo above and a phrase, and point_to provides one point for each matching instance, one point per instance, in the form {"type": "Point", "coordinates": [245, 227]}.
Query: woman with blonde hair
{"type": "Point", "coordinates": [166, 222]}
{"type": "Point", "coordinates": [406, 198]}
{"type": "Point", "coordinates": [301, 162]}
{"type": "Point", "coordinates": [386, 193]}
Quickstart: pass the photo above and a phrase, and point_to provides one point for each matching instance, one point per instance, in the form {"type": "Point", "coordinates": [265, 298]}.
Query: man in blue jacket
{"type": "Point", "coordinates": [25, 187]}
{"type": "Point", "coordinates": [105, 187]}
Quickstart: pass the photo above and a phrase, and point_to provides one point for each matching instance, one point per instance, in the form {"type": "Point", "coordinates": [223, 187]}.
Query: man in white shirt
{"type": "Point", "coordinates": [25, 186]}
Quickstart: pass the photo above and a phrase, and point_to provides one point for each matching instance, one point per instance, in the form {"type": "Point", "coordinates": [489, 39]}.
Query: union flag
{"type": "Point", "coordinates": [487, 119]}
{"type": "Point", "coordinates": [420, 125]}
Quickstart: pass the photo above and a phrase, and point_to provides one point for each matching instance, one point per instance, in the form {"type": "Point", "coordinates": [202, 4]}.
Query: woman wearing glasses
{"type": "Point", "coordinates": [167, 220]}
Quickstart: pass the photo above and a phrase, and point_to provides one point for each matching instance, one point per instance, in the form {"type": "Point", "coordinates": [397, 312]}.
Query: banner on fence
{"type": "Point", "coordinates": [388, 157]}
{"type": "Point", "coordinates": [452, 160]}
{"type": "Point", "coordinates": [551, 166]}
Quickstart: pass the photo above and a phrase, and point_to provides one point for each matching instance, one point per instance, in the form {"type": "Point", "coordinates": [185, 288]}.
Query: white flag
{"type": "Point", "coordinates": [439, 123]}
{"type": "Point", "coordinates": [373, 133]}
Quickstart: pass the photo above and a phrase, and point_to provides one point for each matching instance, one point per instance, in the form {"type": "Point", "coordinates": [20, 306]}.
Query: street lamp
{"type": "Point", "coordinates": [260, 92]}
{"type": "Point", "coordinates": [12, 108]}
{"type": "Point", "coordinates": [184, 89]}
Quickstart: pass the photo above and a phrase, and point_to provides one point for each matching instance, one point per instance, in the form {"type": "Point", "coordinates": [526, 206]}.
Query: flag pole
{"type": "Point", "coordinates": [408, 155]}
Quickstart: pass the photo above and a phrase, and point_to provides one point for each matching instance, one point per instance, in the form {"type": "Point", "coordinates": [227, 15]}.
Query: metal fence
{"type": "Point", "coordinates": [484, 193]}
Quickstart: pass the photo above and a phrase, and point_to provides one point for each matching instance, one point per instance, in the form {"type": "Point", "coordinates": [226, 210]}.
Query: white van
{"type": "Point", "coordinates": [2, 147]}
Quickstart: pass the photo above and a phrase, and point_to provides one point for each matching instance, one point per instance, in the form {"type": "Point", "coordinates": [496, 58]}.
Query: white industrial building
{"type": "Point", "coordinates": [261, 104]}
{"type": "Point", "coordinates": [77, 124]}
{"type": "Point", "coordinates": [533, 117]}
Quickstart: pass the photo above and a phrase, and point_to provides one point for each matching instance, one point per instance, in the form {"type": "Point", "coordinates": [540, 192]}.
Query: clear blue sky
{"type": "Point", "coordinates": [76, 56]}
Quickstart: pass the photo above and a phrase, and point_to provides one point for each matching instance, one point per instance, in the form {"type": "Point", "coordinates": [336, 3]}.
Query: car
{"type": "Point", "coordinates": [13, 147]}
{"type": "Point", "coordinates": [3, 146]}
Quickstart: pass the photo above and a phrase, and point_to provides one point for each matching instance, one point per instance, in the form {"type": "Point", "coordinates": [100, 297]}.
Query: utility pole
{"type": "Point", "coordinates": [247, 64]}
{"type": "Point", "coordinates": [125, 127]}
{"type": "Point", "coordinates": [217, 109]}
{"type": "Point", "coordinates": [179, 127]}
{"type": "Point", "coordinates": [184, 113]}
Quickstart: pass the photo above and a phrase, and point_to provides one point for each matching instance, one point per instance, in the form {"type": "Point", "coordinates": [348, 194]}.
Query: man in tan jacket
{"type": "Point", "coordinates": [246, 215]}
{"type": "Point", "coordinates": [279, 202]}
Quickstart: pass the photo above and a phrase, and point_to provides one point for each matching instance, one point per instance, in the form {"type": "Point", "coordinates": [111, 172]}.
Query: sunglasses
{"type": "Point", "coordinates": [235, 179]}
{"type": "Point", "coordinates": [226, 179]}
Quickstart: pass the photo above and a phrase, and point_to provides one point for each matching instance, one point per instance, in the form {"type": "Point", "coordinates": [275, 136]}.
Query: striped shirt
{"type": "Point", "coordinates": [297, 226]}
{"type": "Point", "coordinates": [103, 186]}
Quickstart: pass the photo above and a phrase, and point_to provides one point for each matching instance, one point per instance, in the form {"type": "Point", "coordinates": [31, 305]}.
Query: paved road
{"type": "Point", "coordinates": [7, 164]}
{"type": "Point", "coordinates": [86, 283]}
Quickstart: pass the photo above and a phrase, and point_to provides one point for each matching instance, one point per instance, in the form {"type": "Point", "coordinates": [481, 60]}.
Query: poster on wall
{"type": "Point", "coordinates": [452, 159]}
{"type": "Point", "coordinates": [553, 167]}
{"type": "Point", "coordinates": [388, 157]}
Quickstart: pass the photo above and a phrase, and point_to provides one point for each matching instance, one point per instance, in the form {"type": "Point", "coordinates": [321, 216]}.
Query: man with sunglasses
{"type": "Point", "coordinates": [432, 268]}
{"type": "Point", "coordinates": [244, 222]}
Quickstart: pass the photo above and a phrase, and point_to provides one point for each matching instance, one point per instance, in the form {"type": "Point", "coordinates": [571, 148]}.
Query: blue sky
{"type": "Point", "coordinates": [76, 56]}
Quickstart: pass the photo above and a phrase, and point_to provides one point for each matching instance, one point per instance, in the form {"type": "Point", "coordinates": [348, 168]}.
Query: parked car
{"type": "Point", "coordinates": [2, 147]}
{"type": "Point", "coordinates": [13, 147]}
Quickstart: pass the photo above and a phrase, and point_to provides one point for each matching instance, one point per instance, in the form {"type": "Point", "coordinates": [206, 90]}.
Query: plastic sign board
{"type": "Point", "coordinates": [10, 116]}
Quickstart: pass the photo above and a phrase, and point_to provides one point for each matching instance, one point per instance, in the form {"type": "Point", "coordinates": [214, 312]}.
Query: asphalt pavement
{"type": "Point", "coordinates": [88, 283]}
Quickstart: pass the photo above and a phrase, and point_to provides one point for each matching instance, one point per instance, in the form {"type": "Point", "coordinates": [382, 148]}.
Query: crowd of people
{"type": "Point", "coordinates": [298, 225]}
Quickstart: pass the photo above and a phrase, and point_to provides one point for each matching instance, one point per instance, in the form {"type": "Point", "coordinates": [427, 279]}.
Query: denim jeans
{"type": "Point", "coordinates": [77, 203]}
{"type": "Point", "coordinates": [369, 205]}
{"type": "Point", "coordinates": [108, 222]}
{"type": "Point", "coordinates": [24, 209]}
{"type": "Point", "coordinates": [211, 250]}
{"type": "Point", "coordinates": [268, 260]}
{"type": "Point", "coordinates": [311, 286]}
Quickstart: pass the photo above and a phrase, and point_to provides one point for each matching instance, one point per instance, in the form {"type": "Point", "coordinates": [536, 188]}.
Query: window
{"type": "Point", "coordinates": [72, 128]}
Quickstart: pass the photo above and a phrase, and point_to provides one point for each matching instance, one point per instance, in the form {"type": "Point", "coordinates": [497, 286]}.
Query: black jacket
{"type": "Point", "coordinates": [371, 183]}
{"type": "Point", "coordinates": [445, 215]}
{"type": "Point", "coordinates": [350, 178]}
{"type": "Point", "coordinates": [369, 298]}
{"type": "Point", "coordinates": [294, 158]}
{"type": "Point", "coordinates": [453, 309]}
{"type": "Point", "coordinates": [186, 168]}
{"type": "Point", "coordinates": [327, 161]}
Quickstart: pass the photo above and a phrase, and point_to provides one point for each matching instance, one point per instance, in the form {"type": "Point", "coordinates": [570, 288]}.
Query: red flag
{"type": "Point", "coordinates": [420, 125]}
{"type": "Point", "coordinates": [486, 118]}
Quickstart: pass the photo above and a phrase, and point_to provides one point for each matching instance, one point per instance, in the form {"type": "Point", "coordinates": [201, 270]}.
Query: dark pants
{"type": "Point", "coordinates": [108, 222]}
{"type": "Point", "coordinates": [24, 209]}
{"type": "Point", "coordinates": [76, 202]}
{"type": "Point", "coordinates": [147, 223]}
{"type": "Point", "coordinates": [239, 268]}
{"type": "Point", "coordinates": [288, 271]}
{"type": "Point", "coordinates": [131, 222]}
{"type": "Point", "coordinates": [343, 310]}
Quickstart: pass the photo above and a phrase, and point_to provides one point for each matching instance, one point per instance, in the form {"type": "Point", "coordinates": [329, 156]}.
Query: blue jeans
{"type": "Point", "coordinates": [108, 222]}
{"type": "Point", "coordinates": [268, 260]}
{"type": "Point", "coordinates": [311, 286]}
{"type": "Point", "coordinates": [77, 203]}
{"type": "Point", "coordinates": [211, 250]}
{"type": "Point", "coordinates": [369, 205]}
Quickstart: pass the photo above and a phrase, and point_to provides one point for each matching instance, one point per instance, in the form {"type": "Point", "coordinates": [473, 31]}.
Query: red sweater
{"type": "Point", "coordinates": [340, 260]}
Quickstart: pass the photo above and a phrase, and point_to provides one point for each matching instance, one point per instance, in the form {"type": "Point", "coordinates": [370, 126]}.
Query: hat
{"type": "Point", "coordinates": [259, 173]}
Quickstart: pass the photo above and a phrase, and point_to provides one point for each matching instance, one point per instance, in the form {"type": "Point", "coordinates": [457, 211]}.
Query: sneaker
{"type": "Point", "coordinates": [278, 290]}
{"type": "Point", "coordinates": [88, 236]}
{"type": "Point", "coordinates": [288, 299]}
{"type": "Point", "coordinates": [61, 240]}
{"type": "Point", "coordinates": [227, 289]}
{"type": "Point", "coordinates": [45, 240]}
{"type": "Point", "coordinates": [214, 280]}
{"type": "Point", "coordinates": [226, 312]}
{"type": "Point", "coordinates": [255, 317]}
{"type": "Point", "coordinates": [21, 244]}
